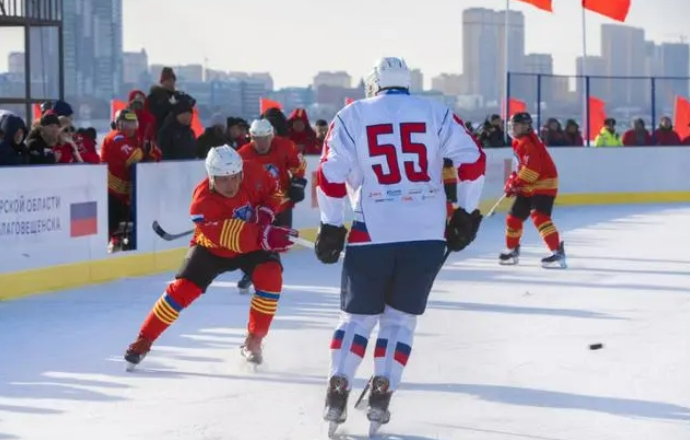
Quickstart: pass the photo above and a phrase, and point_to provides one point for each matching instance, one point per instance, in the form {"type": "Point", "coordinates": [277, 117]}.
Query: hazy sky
{"type": "Point", "coordinates": [296, 38]}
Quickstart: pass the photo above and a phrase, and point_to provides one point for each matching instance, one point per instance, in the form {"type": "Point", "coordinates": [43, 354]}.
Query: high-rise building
{"type": "Point", "coordinates": [333, 79]}
{"type": "Point", "coordinates": [135, 66]}
{"type": "Point", "coordinates": [623, 49]}
{"type": "Point", "coordinates": [674, 66]}
{"type": "Point", "coordinates": [450, 84]}
{"type": "Point", "coordinates": [15, 62]}
{"type": "Point", "coordinates": [93, 47]}
{"type": "Point", "coordinates": [484, 35]}
{"type": "Point", "coordinates": [594, 68]}
{"type": "Point", "coordinates": [416, 80]}
{"type": "Point", "coordinates": [539, 85]}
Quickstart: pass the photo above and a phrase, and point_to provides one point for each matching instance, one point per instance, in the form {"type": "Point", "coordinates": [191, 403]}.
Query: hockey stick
{"type": "Point", "coordinates": [308, 244]}
{"type": "Point", "coordinates": [493, 209]}
{"type": "Point", "coordinates": [167, 236]}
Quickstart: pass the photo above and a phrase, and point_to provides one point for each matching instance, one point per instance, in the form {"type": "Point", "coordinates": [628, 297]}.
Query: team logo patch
{"type": "Point", "coordinates": [244, 212]}
{"type": "Point", "coordinates": [273, 170]}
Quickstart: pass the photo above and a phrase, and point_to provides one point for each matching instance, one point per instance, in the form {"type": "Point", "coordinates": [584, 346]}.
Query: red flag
{"type": "Point", "coordinates": [115, 106]}
{"type": "Point", "coordinates": [349, 101]}
{"type": "Point", "coordinates": [36, 110]}
{"type": "Point", "coordinates": [597, 116]}
{"type": "Point", "coordinates": [544, 5]}
{"type": "Point", "coordinates": [514, 106]}
{"type": "Point", "coordinates": [197, 127]}
{"type": "Point", "coordinates": [681, 117]}
{"type": "Point", "coordinates": [615, 9]}
{"type": "Point", "coordinates": [265, 104]}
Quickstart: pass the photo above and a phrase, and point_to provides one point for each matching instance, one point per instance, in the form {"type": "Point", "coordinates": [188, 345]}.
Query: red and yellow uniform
{"type": "Point", "coordinates": [120, 152]}
{"type": "Point", "coordinates": [535, 185]}
{"type": "Point", "coordinates": [282, 161]}
{"type": "Point", "coordinates": [230, 230]}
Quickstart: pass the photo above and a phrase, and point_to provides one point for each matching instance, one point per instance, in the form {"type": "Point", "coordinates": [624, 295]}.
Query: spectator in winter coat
{"type": "Point", "coordinates": [63, 109]}
{"type": "Point", "coordinates": [66, 150]}
{"type": "Point", "coordinates": [176, 138]}
{"type": "Point", "coordinates": [665, 135]}
{"type": "Point", "coordinates": [552, 134]}
{"type": "Point", "coordinates": [278, 120]}
{"type": "Point", "coordinates": [321, 128]}
{"type": "Point", "coordinates": [12, 149]}
{"type": "Point", "coordinates": [237, 132]}
{"type": "Point", "coordinates": [42, 139]}
{"type": "Point", "coordinates": [493, 135]}
{"type": "Point", "coordinates": [572, 134]}
{"type": "Point", "coordinates": [213, 136]}
{"type": "Point", "coordinates": [638, 135]}
{"type": "Point", "coordinates": [86, 139]}
{"type": "Point", "coordinates": [608, 137]}
{"type": "Point", "coordinates": [161, 98]}
{"type": "Point", "coordinates": [300, 131]}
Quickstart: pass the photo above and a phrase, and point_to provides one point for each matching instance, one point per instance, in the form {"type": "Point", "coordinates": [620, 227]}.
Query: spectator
{"type": "Point", "coordinates": [12, 149]}
{"type": "Point", "coordinates": [66, 150]}
{"type": "Point", "coordinates": [161, 98]}
{"type": "Point", "coordinates": [493, 135]}
{"type": "Point", "coordinates": [552, 134]}
{"type": "Point", "coordinates": [278, 120]}
{"type": "Point", "coordinates": [176, 138]}
{"type": "Point", "coordinates": [665, 135]}
{"type": "Point", "coordinates": [86, 140]}
{"type": "Point", "coordinates": [43, 138]}
{"type": "Point", "coordinates": [300, 131]}
{"type": "Point", "coordinates": [638, 135]}
{"type": "Point", "coordinates": [237, 132]}
{"type": "Point", "coordinates": [120, 151]}
{"type": "Point", "coordinates": [321, 129]}
{"type": "Point", "coordinates": [146, 121]}
{"type": "Point", "coordinates": [608, 137]}
{"type": "Point", "coordinates": [213, 136]}
{"type": "Point", "coordinates": [63, 109]}
{"type": "Point", "coordinates": [469, 127]}
{"type": "Point", "coordinates": [572, 134]}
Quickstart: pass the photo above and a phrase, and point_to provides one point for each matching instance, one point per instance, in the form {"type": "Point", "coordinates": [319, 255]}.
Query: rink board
{"type": "Point", "coordinates": [588, 176]}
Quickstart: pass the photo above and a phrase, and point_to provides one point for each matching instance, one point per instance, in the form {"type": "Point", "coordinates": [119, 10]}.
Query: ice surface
{"type": "Point", "coordinates": [501, 354]}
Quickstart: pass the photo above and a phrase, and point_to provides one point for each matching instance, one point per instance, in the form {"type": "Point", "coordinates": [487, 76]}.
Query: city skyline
{"type": "Point", "coordinates": [434, 45]}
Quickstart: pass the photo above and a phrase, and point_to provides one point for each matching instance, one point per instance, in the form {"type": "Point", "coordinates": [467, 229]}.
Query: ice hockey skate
{"type": "Point", "coordinates": [251, 350]}
{"type": "Point", "coordinates": [244, 284]}
{"type": "Point", "coordinates": [510, 257]}
{"type": "Point", "coordinates": [379, 400]}
{"type": "Point", "coordinates": [335, 411]}
{"type": "Point", "coordinates": [136, 352]}
{"type": "Point", "coordinates": [555, 260]}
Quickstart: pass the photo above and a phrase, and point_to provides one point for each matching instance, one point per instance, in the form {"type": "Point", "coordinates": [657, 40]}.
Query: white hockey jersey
{"type": "Point", "coordinates": [389, 149]}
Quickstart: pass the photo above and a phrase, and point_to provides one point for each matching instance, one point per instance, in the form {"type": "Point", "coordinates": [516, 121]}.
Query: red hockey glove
{"type": "Point", "coordinates": [276, 239]}
{"type": "Point", "coordinates": [512, 187]}
{"type": "Point", "coordinates": [264, 216]}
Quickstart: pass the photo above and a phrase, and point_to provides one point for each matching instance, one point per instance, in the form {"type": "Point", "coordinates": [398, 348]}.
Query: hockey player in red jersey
{"type": "Point", "coordinates": [233, 209]}
{"type": "Point", "coordinates": [534, 186]}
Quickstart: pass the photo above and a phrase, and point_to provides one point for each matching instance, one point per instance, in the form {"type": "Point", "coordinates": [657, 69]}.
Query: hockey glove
{"type": "Point", "coordinates": [512, 186]}
{"type": "Point", "coordinates": [330, 241]}
{"type": "Point", "coordinates": [462, 228]}
{"type": "Point", "coordinates": [296, 190]}
{"type": "Point", "coordinates": [264, 216]}
{"type": "Point", "coordinates": [276, 239]}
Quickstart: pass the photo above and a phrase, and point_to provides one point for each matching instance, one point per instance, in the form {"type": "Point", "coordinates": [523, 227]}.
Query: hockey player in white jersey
{"type": "Point", "coordinates": [390, 150]}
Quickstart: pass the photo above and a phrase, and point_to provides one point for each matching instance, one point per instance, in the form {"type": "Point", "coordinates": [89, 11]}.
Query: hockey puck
{"type": "Point", "coordinates": [596, 346]}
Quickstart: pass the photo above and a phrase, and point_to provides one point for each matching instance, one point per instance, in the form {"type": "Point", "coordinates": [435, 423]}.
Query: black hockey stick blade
{"type": "Point", "coordinates": [166, 236]}
{"type": "Point", "coordinates": [358, 403]}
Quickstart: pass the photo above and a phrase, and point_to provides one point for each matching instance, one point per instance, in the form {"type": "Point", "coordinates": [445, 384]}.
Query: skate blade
{"type": "Point", "coordinates": [243, 291]}
{"type": "Point", "coordinates": [332, 429]}
{"type": "Point", "coordinates": [129, 367]}
{"type": "Point", "coordinates": [558, 265]}
{"type": "Point", "coordinates": [374, 429]}
{"type": "Point", "coordinates": [513, 262]}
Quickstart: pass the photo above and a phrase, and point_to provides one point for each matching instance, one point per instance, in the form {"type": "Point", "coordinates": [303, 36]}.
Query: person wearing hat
{"type": "Point", "coordinates": [638, 135]}
{"type": "Point", "coordinates": [162, 97]}
{"type": "Point", "coordinates": [237, 132]}
{"type": "Point", "coordinates": [213, 136]}
{"type": "Point", "coordinates": [176, 138]}
{"type": "Point", "coordinates": [608, 137]}
{"type": "Point", "coordinates": [42, 139]}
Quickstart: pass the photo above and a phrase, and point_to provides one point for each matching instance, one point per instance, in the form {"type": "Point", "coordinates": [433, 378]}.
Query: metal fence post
{"type": "Point", "coordinates": [653, 113]}
{"type": "Point", "coordinates": [539, 76]}
{"type": "Point", "coordinates": [587, 110]}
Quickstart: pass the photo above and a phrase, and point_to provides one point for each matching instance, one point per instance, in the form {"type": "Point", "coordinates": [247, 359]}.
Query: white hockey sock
{"type": "Point", "coordinates": [394, 344]}
{"type": "Point", "coordinates": [349, 344]}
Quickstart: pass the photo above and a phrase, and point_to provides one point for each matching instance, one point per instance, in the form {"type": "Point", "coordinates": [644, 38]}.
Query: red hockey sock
{"type": "Point", "coordinates": [547, 230]}
{"type": "Point", "coordinates": [268, 281]}
{"type": "Point", "coordinates": [513, 231]}
{"type": "Point", "coordinates": [178, 295]}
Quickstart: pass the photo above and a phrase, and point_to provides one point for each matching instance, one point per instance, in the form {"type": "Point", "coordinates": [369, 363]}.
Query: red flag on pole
{"type": "Point", "coordinates": [681, 116]}
{"type": "Point", "coordinates": [265, 104]}
{"type": "Point", "coordinates": [36, 112]}
{"type": "Point", "coordinates": [597, 116]}
{"type": "Point", "coordinates": [115, 106]}
{"type": "Point", "coordinates": [514, 106]}
{"type": "Point", "coordinates": [196, 125]}
{"type": "Point", "coordinates": [615, 9]}
{"type": "Point", "coordinates": [544, 5]}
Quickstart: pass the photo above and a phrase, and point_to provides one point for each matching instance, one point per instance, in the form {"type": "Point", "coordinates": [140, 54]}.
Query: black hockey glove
{"type": "Point", "coordinates": [462, 228]}
{"type": "Point", "coordinates": [296, 190]}
{"type": "Point", "coordinates": [330, 241]}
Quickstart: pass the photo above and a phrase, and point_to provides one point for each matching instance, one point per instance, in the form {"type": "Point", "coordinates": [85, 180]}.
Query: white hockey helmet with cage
{"type": "Point", "coordinates": [223, 161]}
{"type": "Point", "coordinates": [388, 73]}
{"type": "Point", "coordinates": [261, 128]}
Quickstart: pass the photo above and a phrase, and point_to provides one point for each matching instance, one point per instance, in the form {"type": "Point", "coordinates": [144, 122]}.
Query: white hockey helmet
{"type": "Point", "coordinates": [223, 161]}
{"type": "Point", "coordinates": [260, 128]}
{"type": "Point", "coordinates": [388, 73]}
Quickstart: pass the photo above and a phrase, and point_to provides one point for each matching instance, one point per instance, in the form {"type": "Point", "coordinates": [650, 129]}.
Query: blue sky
{"type": "Point", "coordinates": [295, 39]}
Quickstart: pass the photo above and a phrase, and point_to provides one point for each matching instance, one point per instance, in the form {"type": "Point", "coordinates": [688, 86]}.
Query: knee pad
{"type": "Point", "coordinates": [395, 318]}
{"type": "Point", "coordinates": [513, 222]}
{"type": "Point", "coordinates": [539, 218]}
{"type": "Point", "coordinates": [268, 277]}
{"type": "Point", "coordinates": [183, 292]}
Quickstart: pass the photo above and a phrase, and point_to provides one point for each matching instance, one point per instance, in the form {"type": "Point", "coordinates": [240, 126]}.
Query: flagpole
{"type": "Point", "coordinates": [585, 98]}
{"type": "Point", "coordinates": [506, 75]}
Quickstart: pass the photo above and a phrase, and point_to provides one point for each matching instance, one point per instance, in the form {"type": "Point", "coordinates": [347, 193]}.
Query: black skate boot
{"type": "Point", "coordinates": [244, 284]}
{"type": "Point", "coordinates": [251, 350]}
{"type": "Point", "coordinates": [510, 257]}
{"type": "Point", "coordinates": [335, 411]}
{"type": "Point", "coordinates": [136, 352]}
{"type": "Point", "coordinates": [555, 260]}
{"type": "Point", "coordinates": [379, 399]}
